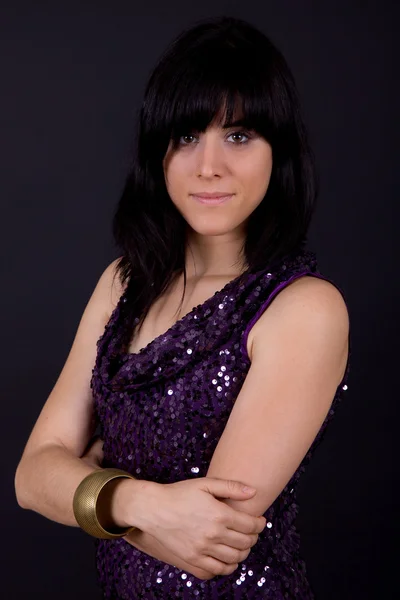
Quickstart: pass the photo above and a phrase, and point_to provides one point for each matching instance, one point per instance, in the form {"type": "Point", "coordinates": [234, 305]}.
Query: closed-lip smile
{"type": "Point", "coordinates": [212, 194]}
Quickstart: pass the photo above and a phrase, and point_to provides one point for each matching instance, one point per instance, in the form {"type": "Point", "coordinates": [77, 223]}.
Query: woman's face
{"type": "Point", "coordinates": [232, 161]}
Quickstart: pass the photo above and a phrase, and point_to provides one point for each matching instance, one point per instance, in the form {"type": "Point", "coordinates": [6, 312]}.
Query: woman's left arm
{"type": "Point", "coordinates": [299, 355]}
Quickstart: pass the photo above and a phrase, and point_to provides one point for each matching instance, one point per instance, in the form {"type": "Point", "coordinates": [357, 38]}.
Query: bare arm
{"type": "Point", "coordinates": [47, 479]}
{"type": "Point", "coordinates": [50, 468]}
{"type": "Point", "coordinates": [299, 358]}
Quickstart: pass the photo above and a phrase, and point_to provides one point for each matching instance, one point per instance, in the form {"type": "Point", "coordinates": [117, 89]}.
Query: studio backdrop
{"type": "Point", "coordinates": [72, 79]}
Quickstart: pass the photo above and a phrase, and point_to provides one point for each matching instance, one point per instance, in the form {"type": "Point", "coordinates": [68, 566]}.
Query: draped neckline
{"type": "Point", "coordinates": [192, 339]}
{"type": "Point", "coordinates": [125, 355]}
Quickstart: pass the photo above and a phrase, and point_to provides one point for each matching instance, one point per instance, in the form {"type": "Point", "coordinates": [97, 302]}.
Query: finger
{"type": "Point", "coordinates": [226, 488]}
{"type": "Point", "coordinates": [94, 454]}
{"type": "Point", "coordinates": [212, 565]}
{"type": "Point", "coordinates": [244, 523]}
{"type": "Point", "coordinates": [98, 444]}
{"type": "Point", "coordinates": [227, 554]}
{"type": "Point", "coordinates": [239, 541]}
{"type": "Point", "coordinates": [94, 444]}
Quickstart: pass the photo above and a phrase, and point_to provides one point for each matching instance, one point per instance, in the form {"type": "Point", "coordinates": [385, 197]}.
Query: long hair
{"type": "Point", "coordinates": [227, 63]}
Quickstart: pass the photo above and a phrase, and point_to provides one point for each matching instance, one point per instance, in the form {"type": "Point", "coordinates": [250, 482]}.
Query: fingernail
{"type": "Point", "coordinates": [246, 488]}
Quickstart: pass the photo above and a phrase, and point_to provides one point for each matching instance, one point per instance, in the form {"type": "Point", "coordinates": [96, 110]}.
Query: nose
{"type": "Point", "coordinates": [209, 156]}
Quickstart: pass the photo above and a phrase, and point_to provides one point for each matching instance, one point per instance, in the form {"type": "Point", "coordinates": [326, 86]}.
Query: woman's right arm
{"type": "Point", "coordinates": [185, 518]}
{"type": "Point", "coordinates": [50, 468]}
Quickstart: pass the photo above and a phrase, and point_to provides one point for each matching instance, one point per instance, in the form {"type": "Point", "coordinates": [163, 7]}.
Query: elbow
{"type": "Point", "coordinates": [20, 493]}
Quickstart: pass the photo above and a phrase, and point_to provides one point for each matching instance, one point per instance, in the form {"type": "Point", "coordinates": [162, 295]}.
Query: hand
{"type": "Point", "coordinates": [151, 546]}
{"type": "Point", "coordinates": [94, 454]}
{"type": "Point", "coordinates": [188, 520]}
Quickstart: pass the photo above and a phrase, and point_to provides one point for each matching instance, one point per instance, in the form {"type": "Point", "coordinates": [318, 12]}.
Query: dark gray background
{"type": "Point", "coordinates": [72, 78]}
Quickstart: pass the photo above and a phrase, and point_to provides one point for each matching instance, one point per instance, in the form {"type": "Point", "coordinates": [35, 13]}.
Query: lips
{"type": "Point", "coordinates": [213, 200]}
{"type": "Point", "coordinates": [212, 195]}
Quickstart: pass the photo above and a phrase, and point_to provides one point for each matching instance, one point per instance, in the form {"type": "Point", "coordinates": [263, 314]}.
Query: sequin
{"type": "Point", "coordinates": [161, 412]}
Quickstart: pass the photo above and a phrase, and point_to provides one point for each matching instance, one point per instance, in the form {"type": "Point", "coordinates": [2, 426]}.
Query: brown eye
{"type": "Point", "coordinates": [246, 134]}
{"type": "Point", "coordinates": [189, 135]}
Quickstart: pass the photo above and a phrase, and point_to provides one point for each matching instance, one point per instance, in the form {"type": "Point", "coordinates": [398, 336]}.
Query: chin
{"type": "Point", "coordinates": [211, 228]}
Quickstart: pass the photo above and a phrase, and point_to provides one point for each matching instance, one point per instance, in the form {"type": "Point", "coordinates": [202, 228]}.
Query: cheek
{"type": "Point", "coordinates": [174, 175]}
{"type": "Point", "coordinates": [256, 171]}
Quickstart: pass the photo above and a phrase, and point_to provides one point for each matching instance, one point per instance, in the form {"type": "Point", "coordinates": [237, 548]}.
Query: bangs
{"type": "Point", "coordinates": [225, 106]}
{"type": "Point", "coordinates": [229, 83]}
{"type": "Point", "coordinates": [218, 93]}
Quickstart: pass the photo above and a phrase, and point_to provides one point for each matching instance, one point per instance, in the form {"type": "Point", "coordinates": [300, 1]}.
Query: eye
{"type": "Point", "coordinates": [188, 135]}
{"type": "Point", "coordinates": [246, 134]}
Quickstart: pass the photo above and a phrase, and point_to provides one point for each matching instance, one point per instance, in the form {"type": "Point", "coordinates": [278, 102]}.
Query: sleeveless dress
{"type": "Point", "coordinates": [161, 412]}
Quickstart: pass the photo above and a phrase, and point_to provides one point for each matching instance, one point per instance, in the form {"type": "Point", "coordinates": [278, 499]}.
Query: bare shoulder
{"type": "Point", "coordinates": [317, 294]}
{"type": "Point", "coordinates": [314, 301]}
{"type": "Point", "coordinates": [112, 283]}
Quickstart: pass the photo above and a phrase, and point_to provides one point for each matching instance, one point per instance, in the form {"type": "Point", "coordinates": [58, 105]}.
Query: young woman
{"type": "Point", "coordinates": [212, 354]}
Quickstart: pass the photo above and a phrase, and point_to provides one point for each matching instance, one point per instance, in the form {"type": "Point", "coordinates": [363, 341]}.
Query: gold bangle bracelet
{"type": "Point", "coordinates": [85, 501]}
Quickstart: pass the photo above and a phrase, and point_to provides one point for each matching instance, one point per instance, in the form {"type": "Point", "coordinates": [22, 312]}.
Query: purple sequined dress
{"type": "Point", "coordinates": [161, 412]}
